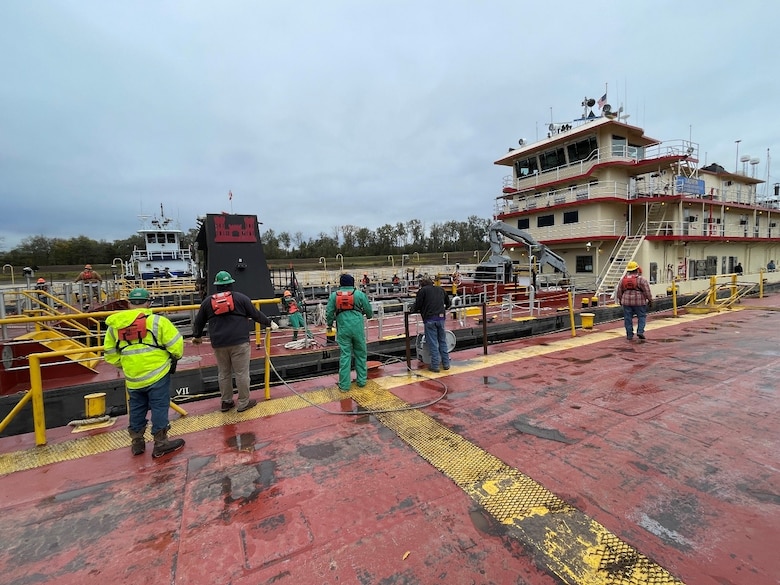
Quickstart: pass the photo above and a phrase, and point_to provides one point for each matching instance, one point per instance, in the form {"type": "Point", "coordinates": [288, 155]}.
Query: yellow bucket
{"type": "Point", "coordinates": [587, 320]}
{"type": "Point", "coordinates": [95, 404]}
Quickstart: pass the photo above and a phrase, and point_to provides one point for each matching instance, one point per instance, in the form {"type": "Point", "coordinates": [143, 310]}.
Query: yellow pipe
{"type": "Point", "coordinates": [36, 388]}
{"type": "Point", "coordinates": [268, 363]}
{"type": "Point", "coordinates": [178, 408]}
{"type": "Point", "coordinates": [571, 315]}
{"type": "Point", "coordinates": [19, 405]}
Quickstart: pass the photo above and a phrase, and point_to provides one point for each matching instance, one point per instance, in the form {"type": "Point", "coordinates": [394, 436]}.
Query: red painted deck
{"type": "Point", "coordinates": [671, 445]}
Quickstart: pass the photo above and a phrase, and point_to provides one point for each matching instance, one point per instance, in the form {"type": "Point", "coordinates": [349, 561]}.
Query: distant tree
{"type": "Point", "coordinates": [284, 240]}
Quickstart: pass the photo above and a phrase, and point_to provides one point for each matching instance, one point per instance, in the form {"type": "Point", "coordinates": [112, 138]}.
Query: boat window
{"type": "Point", "coordinates": [150, 238]}
{"type": "Point", "coordinates": [525, 167]}
{"type": "Point", "coordinates": [581, 150]}
{"type": "Point", "coordinates": [545, 220]}
{"type": "Point", "coordinates": [584, 264]}
{"type": "Point", "coordinates": [571, 217]}
{"type": "Point", "coordinates": [619, 146]}
{"type": "Point", "coordinates": [552, 159]}
{"type": "Point", "coordinates": [523, 223]}
{"type": "Point", "coordinates": [636, 151]}
{"type": "Point", "coordinates": [171, 238]}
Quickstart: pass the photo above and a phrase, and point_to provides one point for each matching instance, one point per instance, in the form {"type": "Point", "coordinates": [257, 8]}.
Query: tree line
{"type": "Point", "coordinates": [349, 240]}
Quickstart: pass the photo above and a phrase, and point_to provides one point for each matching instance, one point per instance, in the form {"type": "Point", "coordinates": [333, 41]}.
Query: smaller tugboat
{"type": "Point", "coordinates": [164, 254]}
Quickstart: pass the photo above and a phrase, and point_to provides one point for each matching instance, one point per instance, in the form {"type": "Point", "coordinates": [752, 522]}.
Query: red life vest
{"type": "Point", "coordinates": [222, 302]}
{"type": "Point", "coordinates": [345, 300]}
{"type": "Point", "coordinates": [135, 333]}
{"type": "Point", "coordinates": [631, 281]}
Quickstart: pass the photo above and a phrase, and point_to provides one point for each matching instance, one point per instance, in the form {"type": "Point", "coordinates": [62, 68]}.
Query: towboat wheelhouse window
{"type": "Point", "coordinates": [581, 150]}
{"type": "Point", "coordinates": [525, 167]}
{"type": "Point", "coordinates": [552, 159]}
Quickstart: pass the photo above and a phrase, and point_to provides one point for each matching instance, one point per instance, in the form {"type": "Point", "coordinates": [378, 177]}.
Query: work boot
{"type": "Point", "coordinates": [138, 445]}
{"type": "Point", "coordinates": [163, 445]}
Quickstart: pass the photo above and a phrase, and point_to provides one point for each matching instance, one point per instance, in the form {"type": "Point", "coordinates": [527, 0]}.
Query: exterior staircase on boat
{"type": "Point", "coordinates": [56, 341]}
{"type": "Point", "coordinates": [656, 219]}
{"type": "Point", "coordinates": [623, 255]}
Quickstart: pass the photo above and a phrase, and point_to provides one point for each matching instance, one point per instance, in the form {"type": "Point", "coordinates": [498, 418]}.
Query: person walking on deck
{"type": "Point", "coordinates": [633, 294]}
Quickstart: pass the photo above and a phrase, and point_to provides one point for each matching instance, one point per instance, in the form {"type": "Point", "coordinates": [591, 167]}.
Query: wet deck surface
{"type": "Point", "coordinates": [550, 460]}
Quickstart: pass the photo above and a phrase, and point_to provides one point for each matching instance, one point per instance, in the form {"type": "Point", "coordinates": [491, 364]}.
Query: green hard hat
{"type": "Point", "coordinates": [223, 277]}
{"type": "Point", "coordinates": [138, 294]}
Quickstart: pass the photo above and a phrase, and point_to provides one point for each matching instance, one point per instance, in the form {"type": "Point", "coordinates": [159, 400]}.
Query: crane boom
{"type": "Point", "coordinates": [543, 254]}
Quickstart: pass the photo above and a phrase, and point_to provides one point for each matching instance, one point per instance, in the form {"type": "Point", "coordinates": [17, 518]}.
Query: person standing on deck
{"type": "Point", "coordinates": [229, 314]}
{"type": "Point", "coordinates": [346, 307]}
{"type": "Point", "coordinates": [432, 303]}
{"type": "Point", "coordinates": [633, 294]}
{"type": "Point", "coordinates": [91, 280]}
{"type": "Point", "coordinates": [146, 347]}
{"type": "Point", "coordinates": [294, 315]}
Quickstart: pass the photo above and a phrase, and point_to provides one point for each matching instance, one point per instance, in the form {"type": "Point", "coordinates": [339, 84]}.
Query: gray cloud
{"type": "Point", "coordinates": [320, 114]}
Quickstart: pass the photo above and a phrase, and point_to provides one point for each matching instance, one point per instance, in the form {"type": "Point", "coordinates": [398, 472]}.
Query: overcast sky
{"type": "Point", "coordinates": [324, 113]}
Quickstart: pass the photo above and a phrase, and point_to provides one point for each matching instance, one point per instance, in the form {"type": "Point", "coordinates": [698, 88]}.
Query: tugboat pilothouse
{"type": "Point", "coordinates": [164, 255]}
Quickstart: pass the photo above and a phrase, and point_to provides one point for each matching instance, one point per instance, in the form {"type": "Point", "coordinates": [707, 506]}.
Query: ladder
{"type": "Point", "coordinates": [624, 253]}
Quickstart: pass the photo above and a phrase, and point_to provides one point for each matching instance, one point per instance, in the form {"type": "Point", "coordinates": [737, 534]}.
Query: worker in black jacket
{"type": "Point", "coordinates": [229, 315]}
{"type": "Point", "coordinates": [432, 303]}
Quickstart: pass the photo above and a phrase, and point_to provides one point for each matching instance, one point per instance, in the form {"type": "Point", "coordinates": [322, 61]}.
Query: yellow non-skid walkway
{"type": "Point", "coordinates": [567, 542]}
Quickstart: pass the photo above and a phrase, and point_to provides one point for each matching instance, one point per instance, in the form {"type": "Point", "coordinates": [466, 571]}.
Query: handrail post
{"type": "Point", "coordinates": [268, 362]}
{"type": "Point", "coordinates": [571, 314]}
{"type": "Point", "coordinates": [36, 388]}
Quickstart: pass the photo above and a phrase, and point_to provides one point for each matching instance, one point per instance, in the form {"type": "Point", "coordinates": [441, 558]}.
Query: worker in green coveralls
{"type": "Point", "coordinates": [346, 307]}
{"type": "Point", "coordinates": [294, 316]}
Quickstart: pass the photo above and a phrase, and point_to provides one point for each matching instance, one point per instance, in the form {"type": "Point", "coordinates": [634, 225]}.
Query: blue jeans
{"type": "Point", "coordinates": [628, 319]}
{"type": "Point", "coordinates": [436, 340]}
{"type": "Point", "coordinates": [156, 398]}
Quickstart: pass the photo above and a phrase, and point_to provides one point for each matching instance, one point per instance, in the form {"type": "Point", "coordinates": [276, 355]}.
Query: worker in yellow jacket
{"type": "Point", "coordinates": [146, 347]}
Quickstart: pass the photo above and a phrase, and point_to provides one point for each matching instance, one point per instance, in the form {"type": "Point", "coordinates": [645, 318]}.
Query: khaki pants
{"type": "Point", "coordinates": [233, 360]}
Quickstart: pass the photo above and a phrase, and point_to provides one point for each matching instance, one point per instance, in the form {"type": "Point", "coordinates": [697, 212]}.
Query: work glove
{"type": "Point", "coordinates": [197, 341]}
{"type": "Point", "coordinates": [274, 326]}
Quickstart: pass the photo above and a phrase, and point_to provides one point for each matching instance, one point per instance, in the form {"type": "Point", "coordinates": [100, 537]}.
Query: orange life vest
{"type": "Point", "coordinates": [345, 300]}
{"type": "Point", "coordinates": [222, 302]}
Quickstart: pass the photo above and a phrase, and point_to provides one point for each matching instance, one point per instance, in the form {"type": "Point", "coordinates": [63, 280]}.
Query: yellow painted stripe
{"type": "Point", "coordinates": [564, 540]}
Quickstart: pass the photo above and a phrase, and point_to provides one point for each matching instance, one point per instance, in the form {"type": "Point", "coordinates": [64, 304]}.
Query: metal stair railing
{"type": "Point", "coordinates": [622, 256]}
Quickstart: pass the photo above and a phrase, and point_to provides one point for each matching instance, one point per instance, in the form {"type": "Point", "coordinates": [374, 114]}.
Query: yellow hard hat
{"type": "Point", "coordinates": [632, 266]}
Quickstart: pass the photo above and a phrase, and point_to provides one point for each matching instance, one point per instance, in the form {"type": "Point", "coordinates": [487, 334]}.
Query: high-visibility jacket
{"type": "Point", "coordinates": [147, 361]}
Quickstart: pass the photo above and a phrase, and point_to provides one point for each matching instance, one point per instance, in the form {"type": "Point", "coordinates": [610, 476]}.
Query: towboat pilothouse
{"type": "Point", "coordinates": [597, 193]}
